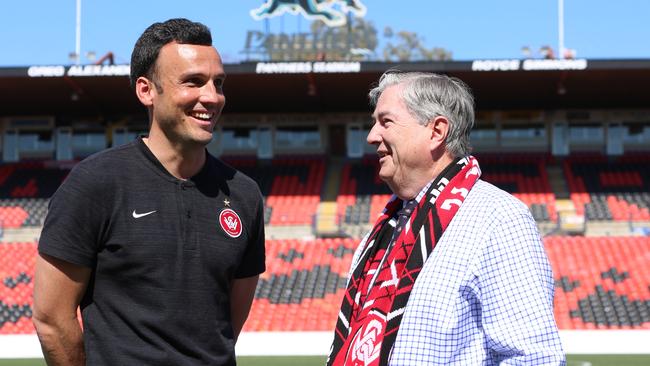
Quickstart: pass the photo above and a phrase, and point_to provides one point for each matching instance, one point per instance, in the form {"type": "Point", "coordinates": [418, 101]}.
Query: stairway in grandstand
{"type": "Point", "coordinates": [556, 181]}
{"type": "Point", "coordinates": [569, 222]}
{"type": "Point", "coordinates": [326, 224]}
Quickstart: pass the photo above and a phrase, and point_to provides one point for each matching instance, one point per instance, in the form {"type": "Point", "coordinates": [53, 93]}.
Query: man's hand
{"type": "Point", "coordinates": [241, 298]}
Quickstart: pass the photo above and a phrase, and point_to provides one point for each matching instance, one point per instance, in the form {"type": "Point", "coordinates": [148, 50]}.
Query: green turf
{"type": "Point", "coordinates": [609, 360]}
{"type": "Point", "coordinates": [281, 361]}
{"type": "Point", "coordinates": [573, 360]}
{"type": "Point", "coordinates": [241, 361]}
{"type": "Point", "coordinates": [21, 362]}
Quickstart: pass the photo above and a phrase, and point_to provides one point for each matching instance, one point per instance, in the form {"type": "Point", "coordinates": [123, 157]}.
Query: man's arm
{"type": "Point", "coordinates": [517, 296]}
{"type": "Point", "coordinates": [58, 289]}
{"type": "Point", "coordinates": [241, 298]}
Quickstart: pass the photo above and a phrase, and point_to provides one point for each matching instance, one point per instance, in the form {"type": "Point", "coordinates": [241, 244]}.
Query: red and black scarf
{"type": "Point", "coordinates": [381, 282]}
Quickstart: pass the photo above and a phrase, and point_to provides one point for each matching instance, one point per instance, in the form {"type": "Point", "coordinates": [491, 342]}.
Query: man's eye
{"type": "Point", "coordinates": [219, 83]}
{"type": "Point", "coordinates": [193, 82]}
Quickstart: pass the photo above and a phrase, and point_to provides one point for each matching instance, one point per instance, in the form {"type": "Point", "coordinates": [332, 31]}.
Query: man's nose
{"type": "Point", "coordinates": [212, 94]}
{"type": "Point", "coordinates": [374, 136]}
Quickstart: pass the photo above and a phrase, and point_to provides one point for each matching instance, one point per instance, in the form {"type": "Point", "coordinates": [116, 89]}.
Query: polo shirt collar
{"type": "Point", "coordinates": [156, 164]}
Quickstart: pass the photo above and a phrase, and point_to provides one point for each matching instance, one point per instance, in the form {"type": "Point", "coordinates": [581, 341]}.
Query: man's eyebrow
{"type": "Point", "coordinates": [381, 114]}
{"type": "Point", "coordinates": [193, 74]}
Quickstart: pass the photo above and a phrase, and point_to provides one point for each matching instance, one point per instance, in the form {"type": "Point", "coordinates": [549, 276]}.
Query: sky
{"type": "Point", "coordinates": [43, 32]}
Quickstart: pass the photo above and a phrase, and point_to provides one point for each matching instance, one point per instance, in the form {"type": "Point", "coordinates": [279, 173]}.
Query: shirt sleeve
{"type": "Point", "coordinates": [517, 296]}
{"type": "Point", "coordinates": [254, 259]}
{"type": "Point", "coordinates": [72, 227]}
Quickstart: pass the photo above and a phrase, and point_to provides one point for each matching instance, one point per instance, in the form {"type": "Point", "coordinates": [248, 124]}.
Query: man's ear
{"type": "Point", "coordinates": [439, 128]}
{"type": "Point", "coordinates": [145, 91]}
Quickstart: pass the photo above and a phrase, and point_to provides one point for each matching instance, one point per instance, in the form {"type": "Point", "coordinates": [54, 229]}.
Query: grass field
{"type": "Point", "coordinates": [572, 360]}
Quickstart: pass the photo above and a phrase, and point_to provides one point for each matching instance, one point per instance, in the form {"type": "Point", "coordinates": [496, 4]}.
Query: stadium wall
{"type": "Point", "coordinates": [318, 343]}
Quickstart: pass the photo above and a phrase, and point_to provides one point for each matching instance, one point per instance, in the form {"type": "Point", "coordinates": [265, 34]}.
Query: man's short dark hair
{"type": "Point", "coordinates": [147, 48]}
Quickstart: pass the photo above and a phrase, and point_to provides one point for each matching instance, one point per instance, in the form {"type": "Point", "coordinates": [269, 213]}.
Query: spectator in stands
{"type": "Point", "coordinates": [157, 241]}
{"type": "Point", "coordinates": [454, 271]}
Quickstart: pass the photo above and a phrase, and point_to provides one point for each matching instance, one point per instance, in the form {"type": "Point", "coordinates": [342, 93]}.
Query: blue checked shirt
{"type": "Point", "coordinates": [485, 295]}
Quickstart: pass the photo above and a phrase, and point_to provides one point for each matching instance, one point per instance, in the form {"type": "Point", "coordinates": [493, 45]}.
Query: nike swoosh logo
{"type": "Point", "coordinates": [137, 215]}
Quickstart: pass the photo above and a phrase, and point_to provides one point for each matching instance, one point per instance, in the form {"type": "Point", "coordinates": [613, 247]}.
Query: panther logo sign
{"type": "Point", "coordinates": [324, 10]}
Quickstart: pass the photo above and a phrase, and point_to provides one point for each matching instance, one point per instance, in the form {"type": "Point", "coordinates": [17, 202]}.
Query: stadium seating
{"type": "Point", "coordinates": [23, 212]}
{"type": "Point", "coordinates": [525, 177]}
{"type": "Point", "coordinates": [605, 188]}
{"type": "Point", "coordinates": [25, 189]}
{"type": "Point", "coordinates": [601, 283]}
{"type": "Point", "coordinates": [35, 179]}
{"type": "Point", "coordinates": [302, 287]}
{"type": "Point", "coordinates": [291, 187]}
{"type": "Point", "coordinates": [362, 195]}
{"type": "Point", "coordinates": [16, 287]}
{"type": "Point", "coordinates": [618, 189]}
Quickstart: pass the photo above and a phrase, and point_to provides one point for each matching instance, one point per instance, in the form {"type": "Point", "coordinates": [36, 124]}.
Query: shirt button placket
{"type": "Point", "coordinates": [186, 199]}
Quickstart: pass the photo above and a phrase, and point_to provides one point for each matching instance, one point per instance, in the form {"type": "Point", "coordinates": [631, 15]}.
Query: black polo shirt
{"type": "Point", "coordinates": [163, 253]}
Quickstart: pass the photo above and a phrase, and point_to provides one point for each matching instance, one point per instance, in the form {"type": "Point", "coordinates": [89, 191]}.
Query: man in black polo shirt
{"type": "Point", "coordinates": [157, 241]}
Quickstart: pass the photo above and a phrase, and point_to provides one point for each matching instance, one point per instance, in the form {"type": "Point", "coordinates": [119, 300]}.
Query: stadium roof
{"type": "Point", "coordinates": [270, 87]}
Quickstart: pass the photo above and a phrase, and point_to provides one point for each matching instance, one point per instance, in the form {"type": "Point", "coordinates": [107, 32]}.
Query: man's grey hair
{"type": "Point", "coordinates": [427, 96]}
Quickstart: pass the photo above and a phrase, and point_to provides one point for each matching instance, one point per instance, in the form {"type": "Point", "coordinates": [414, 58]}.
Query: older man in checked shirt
{"type": "Point", "coordinates": [454, 271]}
